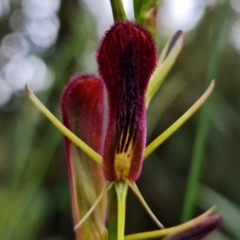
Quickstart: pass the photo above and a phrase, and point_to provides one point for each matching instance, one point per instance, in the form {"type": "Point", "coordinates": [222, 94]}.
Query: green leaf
{"type": "Point", "coordinates": [203, 127]}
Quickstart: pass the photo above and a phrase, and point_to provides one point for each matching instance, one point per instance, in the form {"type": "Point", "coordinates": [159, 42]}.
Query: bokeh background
{"type": "Point", "coordinates": [44, 43]}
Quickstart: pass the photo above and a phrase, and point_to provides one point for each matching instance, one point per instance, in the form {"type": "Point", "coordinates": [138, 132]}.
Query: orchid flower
{"type": "Point", "coordinates": [104, 121]}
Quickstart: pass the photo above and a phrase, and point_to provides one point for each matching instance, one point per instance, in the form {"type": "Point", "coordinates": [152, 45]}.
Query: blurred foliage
{"type": "Point", "coordinates": [34, 194]}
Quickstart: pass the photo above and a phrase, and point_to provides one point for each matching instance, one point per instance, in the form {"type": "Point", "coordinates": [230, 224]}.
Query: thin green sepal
{"type": "Point", "coordinates": [172, 230]}
{"type": "Point", "coordinates": [138, 194]}
{"type": "Point", "coordinates": [106, 188]}
{"type": "Point", "coordinates": [176, 125]}
{"type": "Point", "coordinates": [166, 60]}
{"type": "Point", "coordinates": [65, 131]}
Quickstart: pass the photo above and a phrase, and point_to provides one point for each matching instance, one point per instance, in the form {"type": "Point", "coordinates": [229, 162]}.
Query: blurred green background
{"type": "Point", "coordinates": [44, 43]}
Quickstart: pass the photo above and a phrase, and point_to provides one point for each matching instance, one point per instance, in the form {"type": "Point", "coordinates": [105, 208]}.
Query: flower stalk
{"type": "Point", "coordinates": [118, 10]}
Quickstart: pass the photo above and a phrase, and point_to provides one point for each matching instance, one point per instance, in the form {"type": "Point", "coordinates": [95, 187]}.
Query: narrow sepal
{"type": "Point", "coordinates": [65, 131]}
{"type": "Point", "coordinates": [126, 60]}
{"type": "Point", "coordinates": [83, 112]}
{"type": "Point", "coordinates": [198, 231]}
{"type": "Point", "coordinates": [174, 45]}
{"type": "Point", "coordinates": [176, 125]}
{"type": "Point", "coordinates": [138, 194]}
{"type": "Point", "coordinates": [93, 207]}
{"type": "Point", "coordinates": [166, 60]}
{"type": "Point", "coordinates": [192, 230]}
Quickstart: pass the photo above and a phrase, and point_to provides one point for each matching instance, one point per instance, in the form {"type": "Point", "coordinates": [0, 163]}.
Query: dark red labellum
{"type": "Point", "coordinates": [126, 59]}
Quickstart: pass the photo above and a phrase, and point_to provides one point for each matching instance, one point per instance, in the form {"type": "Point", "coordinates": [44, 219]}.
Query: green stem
{"type": "Point", "coordinates": [118, 10]}
{"type": "Point", "coordinates": [137, 5]}
{"type": "Point", "coordinates": [203, 124]}
{"type": "Point", "coordinates": [121, 189]}
{"type": "Point", "coordinates": [112, 215]}
{"type": "Point", "coordinates": [117, 211]}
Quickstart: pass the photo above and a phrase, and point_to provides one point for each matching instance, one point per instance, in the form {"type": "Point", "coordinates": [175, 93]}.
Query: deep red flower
{"type": "Point", "coordinates": [126, 59]}
{"type": "Point", "coordinates": [105, 121]}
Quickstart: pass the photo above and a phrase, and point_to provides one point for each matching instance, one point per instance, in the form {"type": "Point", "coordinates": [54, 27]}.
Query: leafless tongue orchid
{"type": "Point", "coordinates": [104, 123]}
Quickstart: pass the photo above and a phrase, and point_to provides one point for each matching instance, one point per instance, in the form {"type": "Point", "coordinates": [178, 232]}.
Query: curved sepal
{"type": "Point", "coordinates": [176, 125]}
{"type": "Point", "coordinates": [194, 229]}
{"type": "Point", "coordinates": [65, 131]}
{"type": "Point", "coordinates": [166, 60]}
{"type": "Point", "coordinates": [199, 229]}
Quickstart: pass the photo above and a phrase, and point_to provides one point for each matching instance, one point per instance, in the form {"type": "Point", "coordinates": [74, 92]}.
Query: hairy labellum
{"type": "Point", "coordinates": [126, 59]}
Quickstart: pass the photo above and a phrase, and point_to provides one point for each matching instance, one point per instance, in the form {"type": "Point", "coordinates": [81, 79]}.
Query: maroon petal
{"type": "Point", "coordinates": [83, 111]}
{"type": "Point", "coordinates": [199, 230]}
{"type": "Point", "coordinates": [126, 60]}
